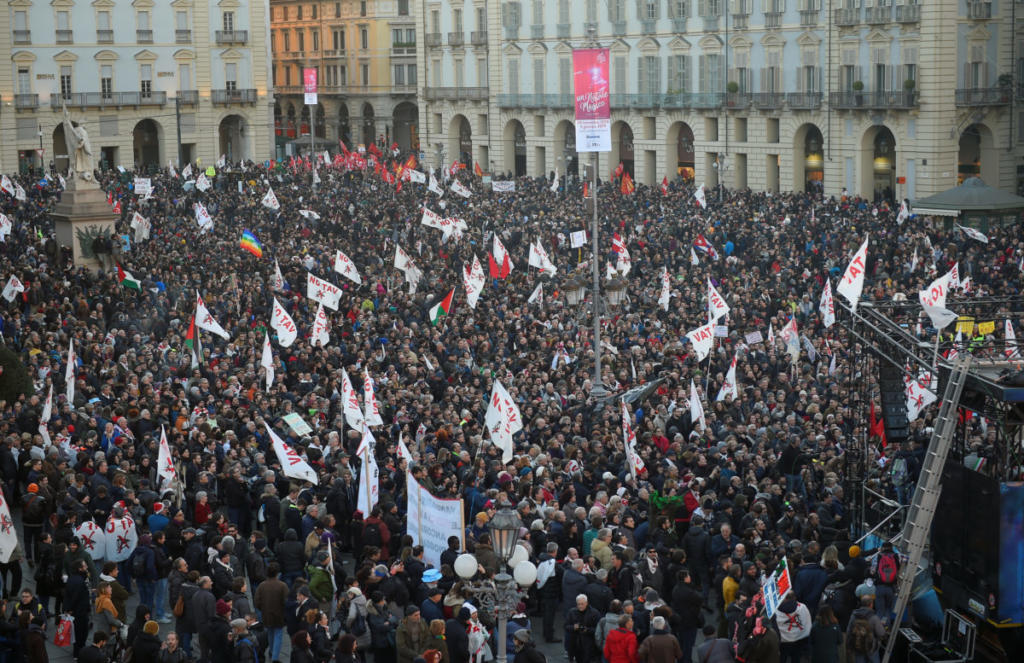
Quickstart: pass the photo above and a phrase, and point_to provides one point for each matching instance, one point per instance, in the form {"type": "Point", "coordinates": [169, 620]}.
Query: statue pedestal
{"type": "Point", "coordinates": [82, 215]}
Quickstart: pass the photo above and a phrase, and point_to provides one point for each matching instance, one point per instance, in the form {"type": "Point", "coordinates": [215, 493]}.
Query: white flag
{"type": "Point", "coordinates": [202, 182]}
{"type": "Point", "coordinates": [283, 324]}
{"type": "Point", "coordinates": [913, 263]}
{"type": "Point", "coordinates": [292, 465]}
{"type": "Point", "coordinates": [935, 294]}
{"type": "Point", "coordinates": [1010, 351]}
{"type": "Point", "coordinates": [121, 538]}
{"type": "Point", "coordinates": [402, 259]}
{"type": "Point", "coordinates": [205, 321]}
{"type": "Point", "coordinates": [918, 398]}
{"type": "Point", "coordinates": [502, 419]}
{"type": "Point", "coordinates": [5, 227]}
{"type": "Point", "coordinates": [702, 339]}
{"type": "Point", "coordinates": [699, 195]}
{"type": "Point", "coordinates": [539, 259]}
{"type": "Point", "coordinates": [19, 193]}
{"type": "Point", "coordinates": [716, 304]}
{"type": "Point", "coordinates": [431, 219]}
{"type": "Point", "coordinates": [6, 184]}
{"type": "Point", "coordinates": [729, 387]}
{"type": "Point", "coordinates": [636, 464]}
{"type": "Point", "coordinates": [954, 276]}
{"type": "Point", "coordinates": [309, 215]}
{"type": "Point", "coordinates": [403, 450]}
{"type": "Point", "coordinates": [771, 335]}
{"type": "Point", "coordinates": [69, 374]}
{"type": "Point", "coordinates": [696, 409]}
{"type": "Point", "coordinates": [474, 279]}
{"type": "Point", "coordinates": [186, 172]}
{"type": "Point", "coordinates": [267, 359]}
{"type": "Point", "coordinates": [203, 217]}
{"type": "Point", "coordinates": [434, 186]}
{"type": "Point", "coordinates": [827, 307]}
{"type": "Point", "coordinates": [222, 161]}
{"type": "Point", "coordinates": [270, 200]}
{"type": "Point", "coordinates": [416, 176]}
{"type": "Point", "coordinates": [693, 257]}
{"type": "Point", "coordinates": [791, 338]}
{"type": "Point", "coordinates": [461, 189]}
{"type": "Point", "coordinates": [666, 289]}
{"type": "Point", "coordinates": [8, 533]}
{"type": "Point", "coordinates": [93, 539]}
{"type": "Point", "coordinates": [344, 266]}
{"type": "Point", "coordinates": [164, 462]}
{"type": "Point", "coordinates": [44, 418]}
{"type": "Point", "coordinates": [976, 235]}
{"type": "Point", "coordinates": [316, 177]}
{"type": "Point", "coordinates": [322, 291]}
{"type": "Point", "coordinates": [500, 255]}
{"type": "Point", "coordinates": [370, 406]}
{"type": "Point", "coordinates": [537, 295]}
{"type": "Point", "coordinates": [904, 213]}
{"type": "Point", "coordinates": [369, 476]}
{"type": "Point", "coordinates": [852, 282]}
{"type": "Point", "coordinates": [278, 283]}
{"type": "Point", "coordinates": [554, 182]}
{"type": "Point", "coordinates": [321, 328]}
{"type": "Point", "coordinates": [623, 261]}
{"type": "Point", "coordinates": [13, 287]}
{"type": "Point", "coordinates": [350, 403]}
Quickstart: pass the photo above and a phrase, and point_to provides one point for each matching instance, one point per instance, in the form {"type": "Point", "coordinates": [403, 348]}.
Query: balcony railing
{"type": "Point", "coordinates": [478, 38]}
{"type": "Point", "coordinates": [246, 96]}
{"type": "Point", "coordinates": [104, 36]}
{"type": "Point", "coordinates": [535, 100]}
{"type": "Point", "coordinates": [456, 38]}
{"type": "Point", "coordinates": [707, 100]}
{"type": "Point", "coordinates": [619, 28]}
{"type": "Point", "coordinates": [183, 36]}
{"type": "Point", "coordinates": [773, 20]}
{"type": "Point", "coordinates": [563, 30]}
{"type": "Point", "coordinates": [907, 13]}
{"type": "Point", "coordinates": [809, 17]}
{"type": "Point", "coordinates": [648, 27]}
{"type": "Point", "coordinates": [992, 96]}
{"type": "Point", "coordinates": [643, 100]}
{"type": "Point", "coordinates": [740, 21]}
{"type": "Point", "coordinates": [674, 100]}
{"type": "Point", "coordinates": [737, 100]}
{"type": "Point", "coordinates": [878, 15]}
{"type": "Point", "coordinates": [144, 36]}
{"type": "Point", "coordinates": [846, 18]}
{"type": "Point", "coordinates": [232, 36]}
{"type": "Point", "coordinates": [456, 93]}
{"type": "Point", "coordinates": [512, 32]}
{"type": "Point", "coordinates": [679, 24]}
{"type": "Point", "coordinates": [979, 10]}
{"type": "Point", "coordinates": [803, 100]}
{"type": "Point", "coordinates": [537, 31]}
{"type": "Point", "coordinates": [337, 52]}
{"type": "Point", "coordinates": [65, 36]}
{"type": "Point", "coordinates": [188, 97]}
{"type": "Point", "coordinates": [26, 101]}
{"type": "Point", "coordinates": [433, 39]}
{"type": "Point", "coordinates": [768, 100]}
{"type": "Point", "coordinates": [399, 49]}
{"type": "Point", "coordinates": [710, 24]}
{"type": "Point", "coordinates": [107, 99]}
{"type": "Point", "coordinates": [22, 37]}
{"type": "Point", "coordinates": [872, 100]}
{"type": "Point", "coordinates": [589, 27]}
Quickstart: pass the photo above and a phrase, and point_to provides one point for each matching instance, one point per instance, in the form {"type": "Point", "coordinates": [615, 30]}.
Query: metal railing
{"type": "Point", "coordinates": [188, 97]}
{"type": "Point", "coordinates": [65, 36]}
{"type": "Point", "coordinates": [537, 31]}
{"type": "Point", "coordinates": [619, 28]}
{"type": "Point", "coordinates": [803, 100]}
{"type": "Point", "coordinates": [511, 32]}
{"type": "Point", "coordinates": [768, 100]}
{"type": "Point", "coordinates": [878, 15]}
{"type": "Point", "coordinates": [244, 96]}
{"type": "Point", "coordinates": [809, 17]}
{"type": "Point", "coordinates": [456, 38]}
{"type": "Point", "coordinates": [845, 18]}
{"type": "Point", "coordinates": [979, 10]}
{"type": "Point", "coordinates": [648, 27]}
{"type": "Point", "coordinates": [433, 38]}
{"type": "Point", "coordinates": [232, 36]}
{"type": "Point", "coordinates": [907, 13]}
{"type": "Point", "coordinates": [144, 36]}
{"type": "Point", "coordinates": [26, 101]}
{"type": "Point", "coordinates": [710, 23]}
{"type": "Point", "coordinates": [107, 99]}
{"type": "Point", "coordinates": [104, 36]}
{"type": "Point", "coordinates": [22, 37]}
{"type": "Point", "coordinates": [773, 20]}
{"type": "Point", "coordinates": [183, 36]}
{"type": "Point", "coordinates": [674, 100]}
{"type": "Point", "coordinates": [736, 100]}
{"type": "Point", "coordinates": [873, 100]}
{"type": "Point", "coordinates": [707, 99]}
{"type": "Point", "coordinates": [478, 38]}
{"type": "Point", "coordinates": [741, 21]}
{"type": "Point", "coordinates": [679, 24]}
{"type": "Point", "coordinates": [991, 96]}
{"type": "Point", "coordinates": [456, 93]}
{"type": "Point", "coordinates": [563, 30]}
{"type": "Point", "coordinates": [642, 100]}
{"type": "Point", "coordinates": [563, 100]}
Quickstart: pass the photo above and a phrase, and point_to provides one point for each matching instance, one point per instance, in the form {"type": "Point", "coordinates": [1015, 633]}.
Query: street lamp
{"type": "Point", "coordinates": [574, 290]}
{"type": "Point", "coordinates": [500, 595]}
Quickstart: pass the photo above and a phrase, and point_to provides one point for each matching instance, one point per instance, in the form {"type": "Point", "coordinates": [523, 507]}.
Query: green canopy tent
{"type": "Point", "coordinates": [973, 203]}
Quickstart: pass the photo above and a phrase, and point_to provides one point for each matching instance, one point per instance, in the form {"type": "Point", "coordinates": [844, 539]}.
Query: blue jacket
{"type": "Point", "coordinates": [808, 584]}
{"type": "Point", "coordinates": [430, 611]}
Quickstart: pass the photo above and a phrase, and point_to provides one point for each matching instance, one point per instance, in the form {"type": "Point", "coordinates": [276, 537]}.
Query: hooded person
{"type": "Point", "coordinates": [458, 637]}
{"type": "Point", "coordinates": [412, 637]}
{"type": "Point", "coordinates": [525, 650]}
{"type": "Point", "coordinates": [793, 621]}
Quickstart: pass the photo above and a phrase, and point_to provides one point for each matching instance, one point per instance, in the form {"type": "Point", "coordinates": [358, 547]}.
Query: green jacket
{"type": "Point", "coordinates": [320, 583]}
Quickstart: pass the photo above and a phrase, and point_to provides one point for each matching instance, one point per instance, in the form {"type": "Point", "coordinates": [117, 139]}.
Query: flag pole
{"type": "Point", "coordinates": [366, 479]}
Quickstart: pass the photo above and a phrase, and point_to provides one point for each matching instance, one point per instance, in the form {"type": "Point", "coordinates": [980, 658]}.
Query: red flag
{"type": "Point", "coordinates": [110, 197]}
{"type": "Point", "coordinates": [876, 428]}
{"type": "Point", "coordinates": [374, 150]}
{"type": "Point", "coordinates": [341, 144]}
{"type": "Point", "coordinates": [477, 169]}
{"type": "Point", "coordinates": [410, 163]}
{"type": "Point", "coordinates": [117, 207]}
{"type": "Point", "coordinates": [619, 169]}
{"type": "Point", "coordinates": [627, 187]}
{"type": "Point", "coordinates": [664, 186]}
{"type": "Point", "coordinates": [586, 190]}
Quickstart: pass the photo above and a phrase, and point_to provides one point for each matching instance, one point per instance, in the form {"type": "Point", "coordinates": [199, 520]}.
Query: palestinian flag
{"type": "Point", "coordinates": [192, 342]}
{"type": "Point", "coordinates": [442, 308]}
{"type": "Point", "coordinates": [127, 280]}
{"type": "Point", "coordinates": [477, 169]}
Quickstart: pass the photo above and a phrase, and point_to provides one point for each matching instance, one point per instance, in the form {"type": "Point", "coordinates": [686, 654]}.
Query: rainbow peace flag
{"type": "Point", "coordinates": [251, 244]}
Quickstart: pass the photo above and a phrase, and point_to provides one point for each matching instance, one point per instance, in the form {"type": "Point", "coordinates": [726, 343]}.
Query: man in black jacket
{"type": "Point", "coordinates": [95, 652]}
{"type": "Point", "coordinates": [525, 651]}
{"type": "Point", "coordinates": [458, 639]}
{"type": "Point", "coordinates": [580, 624]}
{"type": "Point", "coordinates": [686, 604]}
{"type": "Point", "coordinates": [697, 544]}
{"type": "Point", "coordinates": [76, 602]}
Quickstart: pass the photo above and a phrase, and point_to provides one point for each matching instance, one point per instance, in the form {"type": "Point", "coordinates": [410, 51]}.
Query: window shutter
{"type": "Point", "coordinates": [655, 63]}
{"type": "Point", "coordinates": [985, 75]}
{"type": "Point", "coordinates": [702, 7]}
{"type": "Point", "coordinates": [641, 75]}
{"type": "Point", "coordinates": [684, 67]}
{"type": "Point", "coordinates": [673, 82]}
{"type": "Point", "coordinates": [538, 75]}
{"type": "Point", "coordinates": [641, 10]}
{"type": "Point", "coordinates": [702, 74]}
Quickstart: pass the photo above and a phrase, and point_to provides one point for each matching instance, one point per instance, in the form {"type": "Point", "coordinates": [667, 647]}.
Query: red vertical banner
{"type": "Point", "coordinates": [591, 88]}
{"type": "Point", "coordinates": [309, 87]}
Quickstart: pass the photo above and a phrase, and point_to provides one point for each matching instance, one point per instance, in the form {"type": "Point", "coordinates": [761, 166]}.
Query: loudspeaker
{"type": "Point", "coordinates": [894, 402]}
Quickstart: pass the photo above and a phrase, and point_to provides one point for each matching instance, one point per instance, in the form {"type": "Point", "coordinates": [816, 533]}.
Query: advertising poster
{"type": "Point", "coordinates": [593, 101]}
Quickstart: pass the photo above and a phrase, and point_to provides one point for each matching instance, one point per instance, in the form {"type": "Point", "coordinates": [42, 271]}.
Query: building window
{"type": "Point", "coordinates": [298, 11]}
{"type": "Point", "coordinates": [652, 10]}
{"type": "Point", "coordinates": [481, 72]}
{"type": "Point", "coordinates": [364, 38]}
{"type": "Point", "coordinates": [619, 75]}
{"type": "Point", "coordinates": [410, 74]}
{"type": "Point", "coordinates": [435, 21]}
{"type": "Point", "coordinates": [20, 21]}
{"type": "Point", "coordinates": [591, 12]}
{"type": "Point", "coordinates": [338, 37]}
{"type": "Point", "coordinates": [403, 7]}
{"type": "Point", "coordinates": [64, 27]}
{"type": "Point", "coordinates": [231, 76]}
{"type": "Point", "coordinates": [301, 40]}
{"type": "Point", "coordinates": [649, 69]}
{"type": "Point", "coordinates": [184, 76]}
{"type": "Point", "coordinates": [410, 36]}
{"type": "Point", "coordinates": [65, 81]}
{"type": "Point", "coordinates": [366, 74]}
{"type": "Point", "coordinates": [337, 10]}
{"type": "Point", "coordinates": [181, 20]}
{"type": "Point", "coordinates": [142, 20]}
{"type": "Point", "coordinates": [710, 8]}
{"type": "Point", "coordinates": [399, 75]}
{"type": "Point", "coordinates": [313, 9]}
{"type": "Point", "coordinates": [976, 70]}
{"type": "Point", "coordinates": [107, 81]}
{"type": "Point", "coordinates": [146, 80]}
{"type": "Point", "coordinates": [563, 12]}
{"type": "Point", "coordinates": [513, 76]}
{"type": "Point", "coordinates": [678, 8]}
{"type": "Point", "coordinates": [228, 19]}
{"type": "Point", "coordinates": [457, 20]}
{"type": "Point", "coordinates": [678, 74]}
{"type": "Point", "coordinates": [616, 11]}
{"type": "Point", "coordinates": [343, 75]}
{"type": "Point", "coordinates": [711, 73]}
{"type": "Point", "coordinates": [460, 73]}
{"type": "Point", "coordinates": [287, 40]}
{"type": "Point", "coordinates": [538, 76]}
{"type": "Point", "coordinates": [287, 75]}
{"type": "Point", "coordinates": [481, 19]}
{"type": "Point", "coordinates": [362, 8]}
{"type": "Point", "coordinates": [102, 20]}
{"type": "Point", "coordinates": [24, 81]}
{"type": "Point", "coordinates": [316, 40]}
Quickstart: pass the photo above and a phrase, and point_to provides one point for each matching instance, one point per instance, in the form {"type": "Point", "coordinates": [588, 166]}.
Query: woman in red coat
{"type": "Point", "coordinates": [620, 645]}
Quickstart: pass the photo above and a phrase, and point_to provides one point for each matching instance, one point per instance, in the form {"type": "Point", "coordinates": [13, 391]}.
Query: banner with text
{"type": "Point", "coordinates": [309, 87]}
{"type": "Point", "coordinates": [593, 101]}
{"type": "Point", "coordinates": [432, 520]}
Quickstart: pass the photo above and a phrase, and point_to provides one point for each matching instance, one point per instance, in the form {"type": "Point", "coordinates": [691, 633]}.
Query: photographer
{"type": "Point", "coordinates": [580, 625]}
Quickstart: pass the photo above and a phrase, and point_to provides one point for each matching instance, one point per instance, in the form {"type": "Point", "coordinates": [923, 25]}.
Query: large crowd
{"type": "Point", "coordinates": [660, 566]}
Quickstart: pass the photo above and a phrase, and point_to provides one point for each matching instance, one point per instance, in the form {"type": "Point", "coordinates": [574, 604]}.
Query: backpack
{"type": "Point", "coordinates": [862, 638]}
{"type": "Point", "coordinates": [138, 563]}
{"type": "Point", "coordinates": [246, 642]}
{"type": "Point", "coordinates": [898, 473]}
{"type": "Point", "coordinates": [358, 626]}
{"type": "Point", "coordinates": [888, 568]}
{"type": "Point", "coordinates": [372, 535]}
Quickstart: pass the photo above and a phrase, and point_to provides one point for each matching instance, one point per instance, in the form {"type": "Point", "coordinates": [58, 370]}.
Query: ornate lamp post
{"type": "Point", "coordinates": [500, 595]}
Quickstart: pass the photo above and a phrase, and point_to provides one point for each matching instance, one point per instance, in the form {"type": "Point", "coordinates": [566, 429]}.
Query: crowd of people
{"type": "Point", "coordinates": [659, 566]}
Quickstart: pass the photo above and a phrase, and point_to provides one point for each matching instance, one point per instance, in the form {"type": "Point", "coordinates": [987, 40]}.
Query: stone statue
{"type": "Point", "coordinates": [79, 149]}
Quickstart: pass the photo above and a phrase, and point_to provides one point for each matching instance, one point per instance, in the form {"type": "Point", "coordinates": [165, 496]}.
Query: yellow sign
{"type": "Point", "coordinates": [965, 326]}
{"type": "Point", "coordinates": [210, 171]}
{"type": "Point", "coordinates": [986, 328]}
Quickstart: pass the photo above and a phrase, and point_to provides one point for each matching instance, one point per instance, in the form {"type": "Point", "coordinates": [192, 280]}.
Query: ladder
{"type": "Point", "coordinates": [917, 528]}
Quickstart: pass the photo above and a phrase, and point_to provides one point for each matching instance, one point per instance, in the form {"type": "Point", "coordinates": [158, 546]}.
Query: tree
{"type": "Point", "coordinates": [14, 378]}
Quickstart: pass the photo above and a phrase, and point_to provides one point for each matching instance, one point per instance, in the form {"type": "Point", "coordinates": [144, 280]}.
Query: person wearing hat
{"type": "Point", "coordinates": [34, 510]}
{"type": "Point", "coordinates": [203, 609]}
{"type": "Point", "coordinates": [320, 584]}
{"type": "Point", "coordinates": [357, 617]}
{"type": "Point", "coordinates": [412, 637]}
{"type": "Point", "coordinates": [147, 643]}
{"type": "Point", "coordinates": [218, 632]}
{"type": "Point", "coordinates": [525, 650]}
{"type": "Point", "coordinates": [430, 607]}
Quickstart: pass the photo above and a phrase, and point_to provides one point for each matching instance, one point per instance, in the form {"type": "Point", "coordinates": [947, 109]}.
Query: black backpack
{"type": "Point", "coordinates": [372, 535]}
{"type": "Point", "coordinates": [138, 563]}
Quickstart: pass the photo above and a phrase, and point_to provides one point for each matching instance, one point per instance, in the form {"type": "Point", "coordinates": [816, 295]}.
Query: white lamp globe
{"type": "Point", "coordinates": [525, 573]}
{"type": "Point", "coordinates": [519, 555]}
{"type": "Point", "coordinates": [465, 566]}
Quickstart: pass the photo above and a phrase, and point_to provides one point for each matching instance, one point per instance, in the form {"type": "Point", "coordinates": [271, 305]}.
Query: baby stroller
{"type": "Point", "coordinates": [117, 648]}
